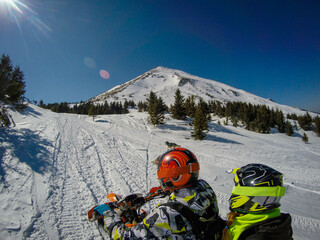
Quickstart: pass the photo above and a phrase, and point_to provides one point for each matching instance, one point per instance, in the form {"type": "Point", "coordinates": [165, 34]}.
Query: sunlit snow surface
{"type": "Point", "coordinates": [55, 167]}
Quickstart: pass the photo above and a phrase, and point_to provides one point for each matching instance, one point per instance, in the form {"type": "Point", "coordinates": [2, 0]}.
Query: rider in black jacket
{"type": "Point", "coordinates": [254, 205]}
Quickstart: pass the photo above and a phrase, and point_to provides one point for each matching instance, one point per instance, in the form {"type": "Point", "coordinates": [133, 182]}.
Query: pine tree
{"type": "Point", "coordinates": [200, 124]}
{"type": "Point", "coordinates": [219, 109]}
{"type": "Point", "coordinates": [178, 110]}
{"type": "Point", "coordinates": [305, 121]}
{"type": "Point", "coordinates": [12, 89]}
{"type": "Point", "coordinates": [229, 109]}
{"type": "Point", "coordinates": [92, 112]}
{"type": "Point", "coordinates": [289, 129]}
{"type": "Point", "coordinates": [5, 75]}
{"type": "Point", "coordinates": [16, 88]}
{"type": "Point", "coordinates": [205, 109]}
{"type": "Point", "coordinates": [292, 116]}
{"type": "Point", "coordinates": [234, 121]}
{"type": "Point", "coordinates": [226, 122]}
{"type": "Point", "coordinates": [253, 126]}
{"type": "Point", "coordinates": [106, 108]}
{"type": "Point", "coordinates": [41, 104]}
{"type": "Point", "coordinates": [280, 121]}
{"type": "Point", "coordinates": [190, 106]}
{"type": "Point", "coordinates": [241, 111]}
{"type": "Point", "coordinates": [4, 118]}
{"type": "Point", "coordinates": [131, 104]}
{"type": "Point", "coordinates": [263, 119]}
{"type": "Point", "coordinates": [211, 105]}
{"type": "Point", "coordinates": [119, 108]}
{"type": "Point", "coordinates": [151, 100]}
{"type": "Point", "coordinates": [305, 138]}
{"type": "Point", "coordinates": [156, 108]}
{"type": "Point", "coordinates": [248, 115]}
{"type": "Point", "coordinates": [317, 127]}
{"type": "Point", "coordinates": [125, 107]}
{"type": "Point", "coordinates": [12, 85]}
{"type": "Point", "coordinates": [273, 119]}
{"type": "Point", "coordinates": [142, 106]}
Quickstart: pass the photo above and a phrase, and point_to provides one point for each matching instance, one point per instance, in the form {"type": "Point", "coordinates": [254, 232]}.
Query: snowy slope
{"type": "Point", "coordinates": [55, 167]}
{"type": "Point", "coordinates": [164, 82]}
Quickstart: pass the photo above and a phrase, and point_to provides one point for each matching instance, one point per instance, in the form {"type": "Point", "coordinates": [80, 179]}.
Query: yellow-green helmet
{"type": "Point", "coordinates": [257, 188]}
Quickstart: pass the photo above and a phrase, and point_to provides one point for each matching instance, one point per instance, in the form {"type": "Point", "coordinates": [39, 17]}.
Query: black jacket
{"type": "Point", "coordinates": [278, 228]}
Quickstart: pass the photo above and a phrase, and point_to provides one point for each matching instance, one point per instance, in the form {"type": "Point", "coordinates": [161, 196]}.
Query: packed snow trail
{"type": "Point", "coordinates": [84, 160]}
{"type": "Point", "coordinates": [88, 164]}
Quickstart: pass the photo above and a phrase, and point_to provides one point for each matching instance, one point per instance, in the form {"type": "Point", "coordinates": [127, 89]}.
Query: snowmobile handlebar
{"type": "Point", "coordinates": [129, 206]}
{"type": "Point", "coordinates": [136, 200]}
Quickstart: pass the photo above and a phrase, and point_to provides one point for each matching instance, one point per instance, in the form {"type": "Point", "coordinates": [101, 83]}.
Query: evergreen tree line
{"type": "Point", "coordinates": [306, 122]}
{"type": "Point", "coordinates": [12, 89]}
{"type": "Point", "coordinates": [95, 109]}
{"type": "Point", "coordinates": [258, 118]}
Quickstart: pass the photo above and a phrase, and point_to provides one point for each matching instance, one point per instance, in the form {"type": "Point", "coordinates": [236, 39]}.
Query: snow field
{"type": "Point", "coordinates": [58, 166]}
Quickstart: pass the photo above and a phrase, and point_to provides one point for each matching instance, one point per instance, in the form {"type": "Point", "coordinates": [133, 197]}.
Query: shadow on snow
{"type": "Point", "coordinates": [27, 146]}
{"type": "Point", "coordinates": [210, 137]}
{"type": "Point", "coordinates": [30, 111]}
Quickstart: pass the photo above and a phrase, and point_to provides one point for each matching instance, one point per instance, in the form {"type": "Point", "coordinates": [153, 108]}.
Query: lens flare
{"type": "Point", "coordinates": [12, 4]}
{"type": "Point", "coordinates": [104, 74]}
{"type": "Point", "coordinates": [89, 62]}
{"type": "Point", "coordinates": [17, 10]}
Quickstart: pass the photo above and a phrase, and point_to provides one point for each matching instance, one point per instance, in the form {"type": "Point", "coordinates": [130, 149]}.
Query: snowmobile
{"type": "Point", "coordinates": [128, 208]}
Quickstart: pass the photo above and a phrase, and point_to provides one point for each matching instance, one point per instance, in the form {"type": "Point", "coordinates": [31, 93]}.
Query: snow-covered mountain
{"type": "Point", "coordinates": [164, 82]}
{"type": "Point", "coordinates": [54, 167]}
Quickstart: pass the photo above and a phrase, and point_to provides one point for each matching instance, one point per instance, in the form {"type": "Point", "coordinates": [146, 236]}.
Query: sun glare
{"type": "Point", "coordinates": [19, 9]}
{"type": "Point", "coordinates": [12, 4]}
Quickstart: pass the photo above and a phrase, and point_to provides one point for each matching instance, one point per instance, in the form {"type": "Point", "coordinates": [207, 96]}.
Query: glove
{"type": "Point", "coordinates": [102, 208]}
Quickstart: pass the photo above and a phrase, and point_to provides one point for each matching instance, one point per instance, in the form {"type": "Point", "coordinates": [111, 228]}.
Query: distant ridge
{"type": "Point", "coordinates": [165, 81]}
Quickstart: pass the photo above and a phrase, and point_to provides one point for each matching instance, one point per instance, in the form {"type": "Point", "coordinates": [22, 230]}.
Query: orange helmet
{"type": "Point", "coordinates": [177, 168]}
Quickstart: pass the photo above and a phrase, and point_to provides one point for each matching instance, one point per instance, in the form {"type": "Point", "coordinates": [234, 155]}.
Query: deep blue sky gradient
{"type": "Point", "coordinates": [269, 48]}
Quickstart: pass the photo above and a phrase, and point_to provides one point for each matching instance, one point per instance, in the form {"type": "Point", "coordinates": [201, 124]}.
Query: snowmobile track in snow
{"type": "Point", "coordinates": [91, 160]}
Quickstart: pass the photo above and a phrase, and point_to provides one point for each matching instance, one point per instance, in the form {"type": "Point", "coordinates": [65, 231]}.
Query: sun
{"type": "Point", "coordinates": [20, 9]}
{"type": "Point", "coordinates": [13, 5]}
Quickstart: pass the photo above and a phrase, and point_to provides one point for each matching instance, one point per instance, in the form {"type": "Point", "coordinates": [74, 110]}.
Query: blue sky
{"type": "Point", "coordinates": [269, 48]}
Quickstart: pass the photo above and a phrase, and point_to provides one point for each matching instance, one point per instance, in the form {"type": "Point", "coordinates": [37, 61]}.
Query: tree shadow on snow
{"type": "Point", "coordinates": [298, 135]}
{"type": "Point", "coordinates": [30, 111]}
{"type": "Point", "coordinates": [2, 172]}
{"type": "Point", "coordinates": [174, 127]}
{"type": "Point", "coordinates": [28, 147]}
{"type": "Point", "coordinates": [102, 121]}
{"type": "Point", "coordinates": [210, 137]}
{"type": "Point", "coordinates": [219, 128]}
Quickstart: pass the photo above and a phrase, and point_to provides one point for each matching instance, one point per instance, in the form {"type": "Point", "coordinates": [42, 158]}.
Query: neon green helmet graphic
{"type": "Point", "coordinates": [257, 188]}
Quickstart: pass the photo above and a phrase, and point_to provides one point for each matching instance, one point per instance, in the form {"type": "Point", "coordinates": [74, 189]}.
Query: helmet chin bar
{"type": "Point", "coordinates": [168, 185]}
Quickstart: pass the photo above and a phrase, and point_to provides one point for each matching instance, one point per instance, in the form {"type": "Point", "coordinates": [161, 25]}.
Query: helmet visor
{"type": "Point", "coordinates": [275, 191]}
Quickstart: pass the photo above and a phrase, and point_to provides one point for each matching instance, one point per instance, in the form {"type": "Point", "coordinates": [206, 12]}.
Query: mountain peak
{"type": "Point", "coordinates": [165, 81]}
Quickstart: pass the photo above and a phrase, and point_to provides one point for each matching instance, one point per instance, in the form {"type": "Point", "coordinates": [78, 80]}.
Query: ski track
{"type": "Point", "coordinates": [91, 160]}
